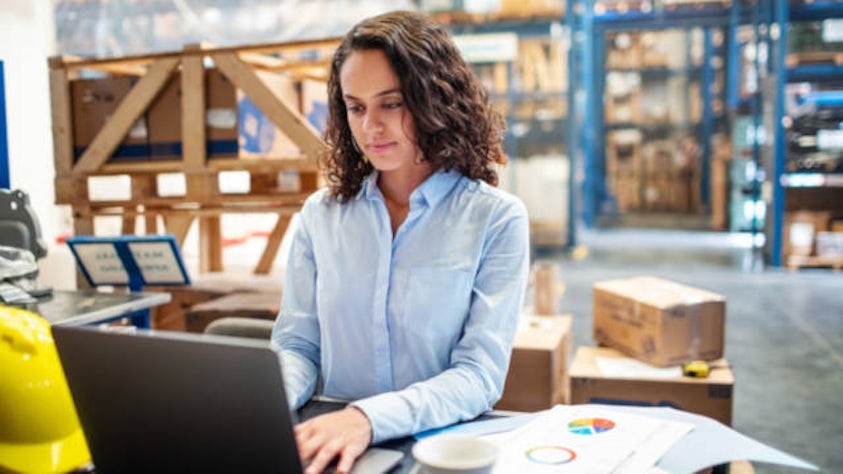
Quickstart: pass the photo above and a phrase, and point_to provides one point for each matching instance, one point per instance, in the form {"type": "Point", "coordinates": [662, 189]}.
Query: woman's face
{"type": "Point", "coordinates": [380, 122]}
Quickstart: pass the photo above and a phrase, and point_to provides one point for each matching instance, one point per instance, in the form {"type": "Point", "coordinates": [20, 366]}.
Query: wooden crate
{"type": "Point", "coordinates": [269, 176]}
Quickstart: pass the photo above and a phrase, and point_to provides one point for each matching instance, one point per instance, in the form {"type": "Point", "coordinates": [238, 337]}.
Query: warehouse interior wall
{"type": "Point", "coordinates": [27, 39]}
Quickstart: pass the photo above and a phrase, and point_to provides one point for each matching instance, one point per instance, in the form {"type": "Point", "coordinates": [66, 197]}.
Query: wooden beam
{"type": "Point", "coordinates": [286, 117]}
{"type": "Point", "coordinates": [62, 122]}
{"type": "Point", "coordinates": [103, 63]}
{"type": "Point", "coordinates": [263, 61]}
{"type": "Point", "coordinates": [210, 244]}
{"type": "Point", "coordinates": [264, 266]}
{"type": "Point", "coordinates": [128, 225]}
{"type": "Point", "coordinates": [130, 108]}
{"type": "Point", "coordinates": [193, 111]}
{"type": "Point", "coordinates": [150, 222]}
{"type": "Point", "coordinates": [178, 225]}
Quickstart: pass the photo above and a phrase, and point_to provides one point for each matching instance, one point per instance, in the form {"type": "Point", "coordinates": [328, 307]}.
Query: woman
{"type": "Point", "coordinates": [406, 275]}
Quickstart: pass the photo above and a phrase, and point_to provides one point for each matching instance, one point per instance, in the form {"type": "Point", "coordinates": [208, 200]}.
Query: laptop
{"type": "Point", "coordinates": [152, 401]}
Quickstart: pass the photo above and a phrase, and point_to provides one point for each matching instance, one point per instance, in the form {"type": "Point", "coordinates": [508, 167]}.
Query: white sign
{"type": "Point", "coordinates": [102, 263]}
{"type": "Point", "coordinates": [832, 30]}
{"type": "Point", "coordinates": [488, 48]}
{"type": "Point", "coordinates": [157, 262]}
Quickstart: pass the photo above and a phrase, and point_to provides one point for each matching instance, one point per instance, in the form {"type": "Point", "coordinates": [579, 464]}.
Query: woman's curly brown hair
{"type": "Point", "coordinates": [456, 128]}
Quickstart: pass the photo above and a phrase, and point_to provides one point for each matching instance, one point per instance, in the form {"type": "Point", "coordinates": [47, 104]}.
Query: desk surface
{"type": "Point", "coordinates": [76, 308]}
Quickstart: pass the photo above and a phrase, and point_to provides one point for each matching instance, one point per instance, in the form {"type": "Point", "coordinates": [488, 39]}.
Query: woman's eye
{"type": "Point", "coordinates": [392, 105]}
{"type": "Point", "coordinates": [355, 109]}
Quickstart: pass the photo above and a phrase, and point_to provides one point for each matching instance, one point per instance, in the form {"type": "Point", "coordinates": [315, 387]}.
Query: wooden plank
{"type": "Point", "coordinates": [71, 189]}
{"type": "Point", "coordinates": [285, 116]}
{"type": "Point", "coordinates": [104, 63]}
{"type": "Point", "coordinates": [178, 225]}
{"type": "Point", "coordinates": [177, 211]}
{"type": "Point", "coordinates": [202, 186]}
{"type": "Point", "coordinates": [210, 244]}
{"type": "Point", "coordinates": [143, 186]}
{"type": "Point", "coordinates": [62, 122]}
{"type": "Point", "coordinates": [264, 265]}
{"type": "Point", "coordinates": [150, 223]}
{"type": "Point", "coordinates": [128, 224]}
{"type": "Point", "coordinates": [299, 162]}
{"type": "Point", "coordinates": [130, 108]}
{"type": "Point", "coordinates": [234, 202]}
{"type": "Point", "coordinates": [263, 61]}
{"type": "Point", "coordinates": [193, 111]}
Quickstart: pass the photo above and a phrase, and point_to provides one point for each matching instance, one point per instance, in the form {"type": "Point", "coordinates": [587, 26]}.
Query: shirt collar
{"type": "Point", "coordinates": [432, 190]}
{"type": "Point", "coordinates": [369, 189]}
{"type": "Point", "coordinates": [436, 187]}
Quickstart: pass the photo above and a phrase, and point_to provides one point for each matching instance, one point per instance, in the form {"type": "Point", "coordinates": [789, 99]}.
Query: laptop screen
{"type": "Point", "coordinates": [151, 400]}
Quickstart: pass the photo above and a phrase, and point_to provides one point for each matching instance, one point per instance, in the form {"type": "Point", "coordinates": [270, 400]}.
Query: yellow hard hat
{"type": "Point", "coordinates": [39, 429]}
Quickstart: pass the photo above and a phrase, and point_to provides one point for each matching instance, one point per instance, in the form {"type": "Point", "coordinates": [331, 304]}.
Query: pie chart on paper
{"type": "Point", "coordinates": [590, 426]}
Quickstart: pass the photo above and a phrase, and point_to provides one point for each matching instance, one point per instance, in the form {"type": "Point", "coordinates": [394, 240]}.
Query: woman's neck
{"type": "Point", "coordinates": [397, 185]}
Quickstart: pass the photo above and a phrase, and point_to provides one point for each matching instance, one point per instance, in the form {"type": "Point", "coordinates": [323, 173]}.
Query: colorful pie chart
{"type": "Point", "coordinates": [551, 455]}
{"type": "Point", "coordinates": [590, 426]}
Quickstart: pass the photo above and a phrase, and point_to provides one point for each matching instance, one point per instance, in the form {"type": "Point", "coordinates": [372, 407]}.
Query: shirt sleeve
{"type": "Point", "coordinates": [295, 335]}
{"type": "Point", "coordinates": [480, 360]}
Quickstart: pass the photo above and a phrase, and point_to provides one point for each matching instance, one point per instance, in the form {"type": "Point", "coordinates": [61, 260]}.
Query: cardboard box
{"type": "Point", "coordinates": [93, 102]}
{"type": "Point", "coordinates": [537, 377]}
{"type": "Point", "coordinates": [234, 126]}
{"type": "Point", "coordinates": [627, 191]}
{"type": "Point", "coordinates": [659, 321]}
{"type": "Point", "coordinates": [800, 230]}
{"type": "Point", "coordinates": [710, 396]}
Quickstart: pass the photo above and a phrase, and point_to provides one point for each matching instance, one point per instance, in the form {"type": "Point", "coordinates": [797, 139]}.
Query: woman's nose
{"type": "Point", "coordinates": [372, 121]}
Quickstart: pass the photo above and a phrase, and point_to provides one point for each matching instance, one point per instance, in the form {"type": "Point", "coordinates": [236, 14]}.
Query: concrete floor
{"type": "Point", "coordinates": [784, 331]}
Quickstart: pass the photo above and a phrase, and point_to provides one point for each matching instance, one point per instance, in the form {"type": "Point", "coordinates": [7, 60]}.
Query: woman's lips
{"type": "Point", "coordinates": [380, 147]}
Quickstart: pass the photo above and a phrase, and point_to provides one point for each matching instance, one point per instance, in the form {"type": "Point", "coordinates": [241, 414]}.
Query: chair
{"type": "Point", "coordinates": [241, 327]}
{"type": "Point", "coordinates": [19, 225]}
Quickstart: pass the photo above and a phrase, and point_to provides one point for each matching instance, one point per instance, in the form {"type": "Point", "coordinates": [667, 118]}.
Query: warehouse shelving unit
{"type": "Point", "coordinates": [547, 128]}
{"type": "Point", "coordinates": [601, 19]}
{"type": "Point", "coordinates": [793, 188]}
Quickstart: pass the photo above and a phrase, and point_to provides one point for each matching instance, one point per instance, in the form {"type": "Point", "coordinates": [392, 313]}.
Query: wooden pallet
{"type": "Point", "coordinates": [459, 17]}
{"type": "Point", "coordinates": [796, 262]}
{"type": "Point", "coordinates": [203, 199]}
{"type": "Point", "coordinates": [834, 58]}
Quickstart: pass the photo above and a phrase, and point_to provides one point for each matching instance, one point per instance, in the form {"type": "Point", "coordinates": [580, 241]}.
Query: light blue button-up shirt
{"type": "Point", "coordinates": [416, 329]}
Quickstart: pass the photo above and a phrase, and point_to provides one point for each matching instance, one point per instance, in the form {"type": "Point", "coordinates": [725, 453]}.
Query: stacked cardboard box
{"type": "Point", "coordinates": [649, 323]}
{"type": "Point", "coordinates": [93, 102]}
{"type": "Point", "coordinates": [624, 165]}
{"type": "Point", "coordinates": [710, 396]}
{"type": "Point", "coordinates": [235, 127]}
{"type": "Point", "coordinates": [538, 370]}
{"type": "Point", "coordinates": [659, 321]}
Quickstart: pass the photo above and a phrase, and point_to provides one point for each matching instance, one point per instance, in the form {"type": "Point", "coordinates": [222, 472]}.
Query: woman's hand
{"type": "Point", "coordinates": [345, 433]}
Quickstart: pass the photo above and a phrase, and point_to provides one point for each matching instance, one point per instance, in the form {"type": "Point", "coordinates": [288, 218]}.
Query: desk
{"type": "Point", "coordinates": [318, 407]}
{"type": "Point", "coordinates": [77, 308]}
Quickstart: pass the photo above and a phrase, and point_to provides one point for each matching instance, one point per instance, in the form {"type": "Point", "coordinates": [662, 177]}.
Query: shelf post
{"type": "Point", "coordinates": [591, 121]}
{"type": "Point", "coordinates": [780, 71]}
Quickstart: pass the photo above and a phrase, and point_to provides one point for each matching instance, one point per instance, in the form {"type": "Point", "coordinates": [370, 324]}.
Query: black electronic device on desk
{"type": "Point", "coordinates": [158, 401]}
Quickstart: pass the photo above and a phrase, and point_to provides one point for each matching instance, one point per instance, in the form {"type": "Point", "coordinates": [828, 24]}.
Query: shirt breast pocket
{"type": "Point", "coordinates": [437, 303]}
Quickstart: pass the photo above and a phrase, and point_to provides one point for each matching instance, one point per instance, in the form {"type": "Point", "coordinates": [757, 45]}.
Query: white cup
{"type": "Point", "coordinates": [454, 454]}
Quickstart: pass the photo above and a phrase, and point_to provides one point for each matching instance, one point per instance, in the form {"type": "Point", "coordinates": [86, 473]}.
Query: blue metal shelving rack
{"type": "Point", "coordinates": [783, 13]}
{"type": "Point", "coordinates": [4, 142]}
{"type": "Point", "coordinates": [593, 29]}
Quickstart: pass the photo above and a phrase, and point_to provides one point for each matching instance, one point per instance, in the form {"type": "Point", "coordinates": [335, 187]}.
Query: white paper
{"type": "Point", "coordinates": [587, 439]}
{"type": "Point", "coordinates": [626, 367]}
